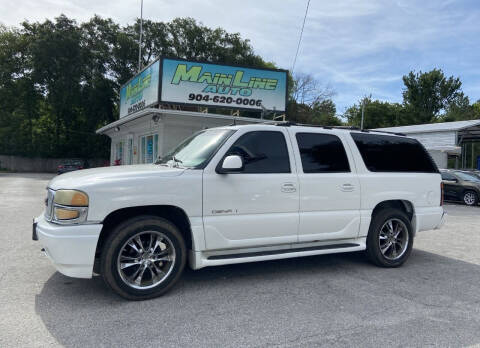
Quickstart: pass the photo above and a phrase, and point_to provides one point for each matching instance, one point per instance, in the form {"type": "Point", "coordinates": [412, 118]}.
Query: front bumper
{"type": "Point", "coordinates": [71, 248]}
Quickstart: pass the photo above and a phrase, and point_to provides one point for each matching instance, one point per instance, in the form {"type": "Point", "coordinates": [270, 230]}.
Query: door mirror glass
{"type": "Point", "coordinates": [232, 163]}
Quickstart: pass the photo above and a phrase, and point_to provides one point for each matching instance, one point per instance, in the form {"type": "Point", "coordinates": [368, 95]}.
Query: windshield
{"type": "Point", "coordinates": [195, 151]}
{"type": "Point", "coordinates": [468, 177]}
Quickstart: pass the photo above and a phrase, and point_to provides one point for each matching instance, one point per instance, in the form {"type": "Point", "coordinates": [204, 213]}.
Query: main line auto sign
{"type": "Point", "coordinates": [141, 91]}
{"type": "Point", "coordinates": [189, 82]}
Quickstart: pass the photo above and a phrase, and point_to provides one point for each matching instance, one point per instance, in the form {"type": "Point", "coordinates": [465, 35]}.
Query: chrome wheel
{"type": "Point", "coordinates": [469, 198]}
{"type": "Point", "coordinates": [393, 239]}
{"type": "Point", "coordinates": [146, 259]}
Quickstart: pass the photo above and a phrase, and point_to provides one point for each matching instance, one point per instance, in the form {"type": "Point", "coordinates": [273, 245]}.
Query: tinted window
{"type": "Point", "coordinates": [468, 177]}
{"type": "Point", "coordinates": [386, 153]}
{"type": "Point", "coordinates": [262, 152]}
{"type": "Point", "coordinates": [322, 153]}
{"type": "Point", "coordinates": [448, 176]}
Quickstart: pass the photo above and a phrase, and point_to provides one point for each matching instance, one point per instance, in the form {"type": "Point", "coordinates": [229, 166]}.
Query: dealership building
{"type": "Point", "coordinates": [170, 100]}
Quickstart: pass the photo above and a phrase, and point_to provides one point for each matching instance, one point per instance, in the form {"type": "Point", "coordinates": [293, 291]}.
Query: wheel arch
{"type": "Point", "coordinates": [174, 214]}
{"type": "Point", "coordinates": [473, 189]}
{"type": "Point", "coordinates": [401, 204]}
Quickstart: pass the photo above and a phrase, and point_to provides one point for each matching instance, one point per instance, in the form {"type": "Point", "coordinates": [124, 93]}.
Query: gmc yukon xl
{"type": "Point", "coordinates": [241, 194]}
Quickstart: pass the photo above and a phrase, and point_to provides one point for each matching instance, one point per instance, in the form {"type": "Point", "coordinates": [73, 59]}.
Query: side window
{"type": "Point", "coordinates": [448, 176]}
{"type": "Point", "coordinates": [262, 152]}
{"type": "Point", "coordinates": [389, 153]}
{"type": "Point", "coordinates": [322, 153]}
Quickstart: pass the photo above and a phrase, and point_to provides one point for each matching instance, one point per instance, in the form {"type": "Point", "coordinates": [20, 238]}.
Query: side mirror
{"type": "Point", "coordinates": [231, 164]}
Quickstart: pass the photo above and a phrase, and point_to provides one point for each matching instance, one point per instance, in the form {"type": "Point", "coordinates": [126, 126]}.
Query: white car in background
{"type": "Point", "coordinates": [241, 194]}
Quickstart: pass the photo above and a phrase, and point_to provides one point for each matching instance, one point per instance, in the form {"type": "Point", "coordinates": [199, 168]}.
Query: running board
{"type": "Point", "coordinates": [283, 251]}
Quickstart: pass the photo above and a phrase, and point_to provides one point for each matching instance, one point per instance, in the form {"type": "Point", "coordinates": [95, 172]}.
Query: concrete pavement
{"type": "Point", "coordinates": [333, 300]}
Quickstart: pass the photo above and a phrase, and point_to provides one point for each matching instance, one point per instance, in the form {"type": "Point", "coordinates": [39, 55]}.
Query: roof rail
{"type": "Point", "coordinates": [289, 123]}
{"type": "Point", "coordinates": [380, 131]}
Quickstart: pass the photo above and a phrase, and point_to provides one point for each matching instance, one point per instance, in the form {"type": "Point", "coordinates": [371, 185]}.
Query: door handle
{"type": "Point", "coordinates": [347, 187]}
{"type": "Point", "coordinates": [288, 187]}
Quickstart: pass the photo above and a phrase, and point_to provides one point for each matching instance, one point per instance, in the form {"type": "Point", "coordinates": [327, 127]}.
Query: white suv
{"type": "Point", "coordinates": [241, 194]}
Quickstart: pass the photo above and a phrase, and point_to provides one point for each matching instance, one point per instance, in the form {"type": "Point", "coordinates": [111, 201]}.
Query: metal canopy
{"type": "Point", "coordinates": [469, 134]}
{"type": "Point", "coordinates": [435, 127]}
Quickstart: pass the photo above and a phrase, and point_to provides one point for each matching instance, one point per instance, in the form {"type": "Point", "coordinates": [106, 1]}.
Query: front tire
{"type": "Point", "coordinates": [390, 238]}
{"type": "Point", "coordinates": [470, 198]}
{"type": "Point", "coordinates": [143, 258]}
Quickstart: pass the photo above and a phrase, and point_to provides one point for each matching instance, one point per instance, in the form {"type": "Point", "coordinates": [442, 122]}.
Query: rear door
{"type": "Point", "coordinates": [451, 187]}
{"type": "Point", "coordinates": [329, 187]}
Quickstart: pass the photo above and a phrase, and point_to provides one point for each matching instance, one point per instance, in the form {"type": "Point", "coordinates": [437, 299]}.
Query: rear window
{"type": "Point", "coordinates": [386, 153]}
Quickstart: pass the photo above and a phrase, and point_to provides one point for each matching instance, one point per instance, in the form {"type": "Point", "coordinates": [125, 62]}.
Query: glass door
{"type": "Point", "coordinates": [149, 148]}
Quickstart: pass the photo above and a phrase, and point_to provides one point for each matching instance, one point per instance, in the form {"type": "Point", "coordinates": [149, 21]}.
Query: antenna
{"type": "Point", "coordinates": [140, 40]}
{"type": "Point", "coordinates": [363, 114]}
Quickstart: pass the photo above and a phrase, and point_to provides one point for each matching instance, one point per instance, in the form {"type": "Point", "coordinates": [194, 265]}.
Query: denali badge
{"type": "Point", "coordinates": [223, 211]}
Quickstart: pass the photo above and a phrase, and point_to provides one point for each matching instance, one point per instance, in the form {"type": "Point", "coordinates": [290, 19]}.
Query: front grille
{"type": "Point", "coordinates": [49, 204]}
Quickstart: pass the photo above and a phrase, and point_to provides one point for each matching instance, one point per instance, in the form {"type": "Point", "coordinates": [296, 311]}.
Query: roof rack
{"type": "Point", "coordinates": [380, 131]}
{"type": "Point", "coordinates": [289, 123]}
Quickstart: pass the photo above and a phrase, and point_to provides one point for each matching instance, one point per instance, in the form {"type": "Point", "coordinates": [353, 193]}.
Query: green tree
{"type": "Point", "coordinates": [324, 113]}
{"type": "Point", "coordinates": [476, 108]}
{"type": "Point", "coordinates": [186, 38]}
{"type": "Point", "coordinates": [59, 80]}
{"type": "Point", "coordinates": [459, 111]}
{"type": "Point", "coordinates": [429, 94]}
{"type": "Point", "coordinates": [377, 114]}
{"type": "Point", "coordinates": [57, 68]}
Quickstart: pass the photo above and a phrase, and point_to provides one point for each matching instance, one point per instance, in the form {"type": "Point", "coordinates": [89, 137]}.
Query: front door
{"type": "Point", "coordinates": [452, 190]}
{"type": "Point", "coordinates": [329, 188]}
{"type": "Point", "coordinates": [257, 206]}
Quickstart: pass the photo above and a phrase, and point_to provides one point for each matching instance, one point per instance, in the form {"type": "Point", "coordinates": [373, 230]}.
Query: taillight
{"type": "Point", "coordinates": [441, 193]}
{"type": "Point", "coordinates": [60, 166]}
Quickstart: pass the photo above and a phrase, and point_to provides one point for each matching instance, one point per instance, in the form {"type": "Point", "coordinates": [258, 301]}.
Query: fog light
{"type": "Point", "coordinates": [66, 214]}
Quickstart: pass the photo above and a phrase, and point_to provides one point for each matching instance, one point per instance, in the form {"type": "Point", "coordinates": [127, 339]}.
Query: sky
{"type": "Point", "coordinates": [357, 47]}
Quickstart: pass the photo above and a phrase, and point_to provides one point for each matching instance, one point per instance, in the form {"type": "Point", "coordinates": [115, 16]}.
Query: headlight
{"type": "Point", "coordinates": [71, 198]}
{"type": "Point", "coordinates": [69, 207]}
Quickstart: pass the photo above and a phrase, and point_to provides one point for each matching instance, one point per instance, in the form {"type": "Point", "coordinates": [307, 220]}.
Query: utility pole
{"type": "Point", "coordinates": [363, 113]}
{"type": "Point", "coordinates": [140, 40]}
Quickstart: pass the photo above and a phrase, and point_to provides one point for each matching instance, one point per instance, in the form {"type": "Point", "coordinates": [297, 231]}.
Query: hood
{"type": "Point", "coordinates": [81, 179]}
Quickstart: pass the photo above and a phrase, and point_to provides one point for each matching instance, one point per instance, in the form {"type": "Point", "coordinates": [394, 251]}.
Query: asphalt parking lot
{"type": "Point", "coordinates": [339, 300]}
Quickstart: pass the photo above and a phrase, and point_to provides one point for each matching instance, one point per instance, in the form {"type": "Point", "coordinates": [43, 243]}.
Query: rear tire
{"type": "Point", "coordinates": [143, 258]}
{"type": "Point", "coordinates": [390, 238]}
{"type": "Point", "coordinates": [470, 198]}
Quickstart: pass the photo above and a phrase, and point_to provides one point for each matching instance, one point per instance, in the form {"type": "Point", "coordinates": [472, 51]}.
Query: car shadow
{"type": "Point", "coordinates": [334, 300]}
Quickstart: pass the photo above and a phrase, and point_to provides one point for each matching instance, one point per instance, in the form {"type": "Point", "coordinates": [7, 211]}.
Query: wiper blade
{"type": "Point", "coordinates": [176, 160]}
